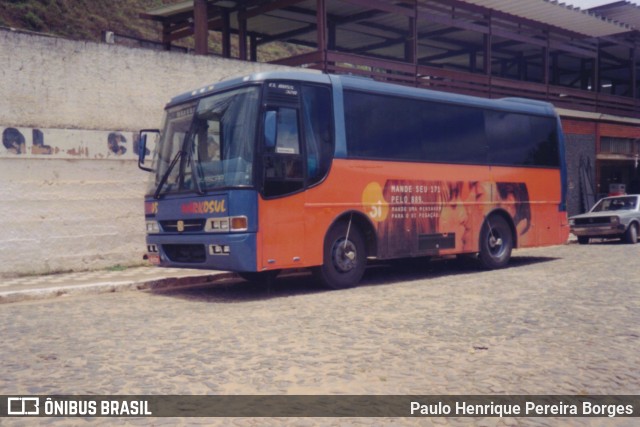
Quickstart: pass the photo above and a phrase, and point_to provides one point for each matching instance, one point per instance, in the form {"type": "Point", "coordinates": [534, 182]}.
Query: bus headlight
{"type": "Point", "coordinates": [227, 224]}
{"type": "Point", "coordinates": [153, 227]}
{"type": "Point", "coordinates": [218, 224]}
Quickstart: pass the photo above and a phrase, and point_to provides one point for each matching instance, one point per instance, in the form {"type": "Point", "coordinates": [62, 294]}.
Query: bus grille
{"type": "Point", "coordinates": [187, 225]}
{"type": "Point", "coordinates": [185, 253]}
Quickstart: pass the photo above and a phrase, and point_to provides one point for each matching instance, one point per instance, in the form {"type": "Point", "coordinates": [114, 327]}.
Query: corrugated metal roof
{"type": "Point", "coordinates": [622, 11]}
{"type": "Point", "coordinates": [558, 15]}
{"type": "Point", "coordinates": [617, 17]}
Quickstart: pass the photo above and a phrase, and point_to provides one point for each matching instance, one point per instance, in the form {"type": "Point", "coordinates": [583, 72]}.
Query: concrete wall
{"type": "Point", "coordinates": [69, 201]}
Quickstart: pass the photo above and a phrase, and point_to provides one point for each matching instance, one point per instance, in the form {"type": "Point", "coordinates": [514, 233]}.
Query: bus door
{"type": "Point", "coordinates": [297, 151]}
{"type": "Point", "coordinates": [281, 207]}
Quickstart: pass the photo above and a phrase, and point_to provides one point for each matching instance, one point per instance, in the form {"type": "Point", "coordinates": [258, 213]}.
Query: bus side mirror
{"type": "Point", "coordinates": [142, 147]}
{"type": "Point", "coordinates": [270, 128]}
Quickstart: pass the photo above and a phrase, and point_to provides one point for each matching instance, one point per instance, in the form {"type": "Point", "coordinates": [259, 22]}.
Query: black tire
{"type": "Point", "coordinates": [344, 259]}
{"type": "Point", "coordinates": [496, 243]}
{"type": "Point", "coordinates": [261, 277]}
{"type": "Point", "coordinates": [631, 235]}
{"type": "Point", "coordinates": [583, 240]}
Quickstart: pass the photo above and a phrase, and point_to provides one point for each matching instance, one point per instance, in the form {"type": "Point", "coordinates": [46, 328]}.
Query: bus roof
{"type": "Point", "coordinates": [520, 105]}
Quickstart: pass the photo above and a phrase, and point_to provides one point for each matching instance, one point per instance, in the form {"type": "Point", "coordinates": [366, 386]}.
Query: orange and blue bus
{"type": "Point", "coordinates": [290, 170]}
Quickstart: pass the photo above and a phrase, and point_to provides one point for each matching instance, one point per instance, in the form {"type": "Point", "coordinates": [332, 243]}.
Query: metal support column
{"type": "Point", "coordinates": [200, 27]}
{"type": "Point", "coordinates": [487, 40]}
{"type": "Point", "coordinates": [321, 25]}
{"type": "Point", "coordinates": [634, 72]}
{"type": "Point", "coordinates": [253, 48]}
{"type": "Point", "coordinates": [242, 36]}
{"type": "Point", "coordinates": [166, 35]}
{"type": "Point", "coordinates": [226, 33]}
{"type": "Point", "coordinates": [411, 45]}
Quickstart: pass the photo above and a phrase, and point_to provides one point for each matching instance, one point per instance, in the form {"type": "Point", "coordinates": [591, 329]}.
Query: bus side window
{"type": "Point", "coordinates": [270, 129]}
{"type": "Point", "coordinates": [281, 134]}
{"type": "Point", "coordinates": [283, 168]}
{"type": "Point", "coordinates": [288, 139]}
{"type": "Point", "coordinates": [522, 140]}
{"type": "Point", "coordinates": [317, 121]}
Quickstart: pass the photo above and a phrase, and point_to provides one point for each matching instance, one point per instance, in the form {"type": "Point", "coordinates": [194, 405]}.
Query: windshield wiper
{"type": "Point", "coordinates": [165, 176]}
{"type": "Point", "coordinates": [195, 175]}
{"type": "Point", "coordinates": [179, 155]}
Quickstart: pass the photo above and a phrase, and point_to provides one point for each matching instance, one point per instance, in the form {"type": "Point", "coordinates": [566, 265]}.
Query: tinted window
{"type": "Point", "coordinates": [453, 134]}
{"type": "Point", "coordinates": [287, 139]}
{"type": "Point", "coordinates": [518, 139]}
{"type": "Point", "coordinates": [298, 137]}
{"type": "Point", "coordinates": [382, 127]}
{"type": "Point", "coordinates": [393, 128]}
{"type": "Point", "coordinates": [283, 167]}
{"type": "Point", "coordinates": [317, 119]}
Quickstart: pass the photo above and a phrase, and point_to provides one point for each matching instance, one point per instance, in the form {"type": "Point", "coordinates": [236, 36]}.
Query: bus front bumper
{"type": "Point", "coordinates": [231, 252]}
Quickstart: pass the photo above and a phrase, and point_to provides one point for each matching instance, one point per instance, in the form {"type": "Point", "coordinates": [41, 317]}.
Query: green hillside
{"type": "Point", "coordinates": [81, 19]}
{"type": "Point", "coordinates": [87, 19]}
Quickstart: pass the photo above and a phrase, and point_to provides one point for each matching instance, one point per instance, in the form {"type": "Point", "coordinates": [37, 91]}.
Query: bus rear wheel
{"type": "Point", "coordinates": [344, 258]}
{"type": "Point", "coordinates": [496, 243]}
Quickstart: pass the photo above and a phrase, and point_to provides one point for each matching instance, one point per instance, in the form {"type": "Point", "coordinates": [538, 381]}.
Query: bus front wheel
{"type": "Point", "coordinates": [496, 243]}
{"type": "Point", "coordinates": [344, 258]}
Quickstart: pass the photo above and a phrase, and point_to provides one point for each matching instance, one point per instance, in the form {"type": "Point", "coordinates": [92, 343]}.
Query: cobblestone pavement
{"type": "Point", "coordinates": [98, 276]}
{"type": "Point", "coordinates": [561, 320]}
{"type": "Point", "coordinates": [100, 281]}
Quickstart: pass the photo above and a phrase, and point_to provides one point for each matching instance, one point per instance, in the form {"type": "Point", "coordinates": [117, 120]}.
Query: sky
{"type": "Point", "coordinates": [586, 4]}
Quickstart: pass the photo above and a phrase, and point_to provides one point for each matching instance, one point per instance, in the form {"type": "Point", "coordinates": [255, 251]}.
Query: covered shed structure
{"type": "Point", "coordinates": [583, 61]}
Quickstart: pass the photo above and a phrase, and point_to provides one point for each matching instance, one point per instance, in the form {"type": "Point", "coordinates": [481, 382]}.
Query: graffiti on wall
{"type": "Point", "coordinates": [68, 144]}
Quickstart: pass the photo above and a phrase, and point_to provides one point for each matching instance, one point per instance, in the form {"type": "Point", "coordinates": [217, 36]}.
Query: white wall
{"type": "Point", "coordinates": [77, 205]}
{"type": "Point", "coordinates": [59, 215]}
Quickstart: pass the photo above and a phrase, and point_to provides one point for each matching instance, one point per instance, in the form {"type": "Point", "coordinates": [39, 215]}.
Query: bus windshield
{"type": "Point", "coordinates": [208, 145]}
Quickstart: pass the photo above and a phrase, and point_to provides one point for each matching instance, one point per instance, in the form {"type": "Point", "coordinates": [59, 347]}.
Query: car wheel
{"type": "Point", "coordinates": [631, 235]}
{"type": "Point", "coordinates": [583, 240]}
{"type": "Point", "coordinates": [344, 257]}
{"type": "Point", "coordinates": [496, 243]}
